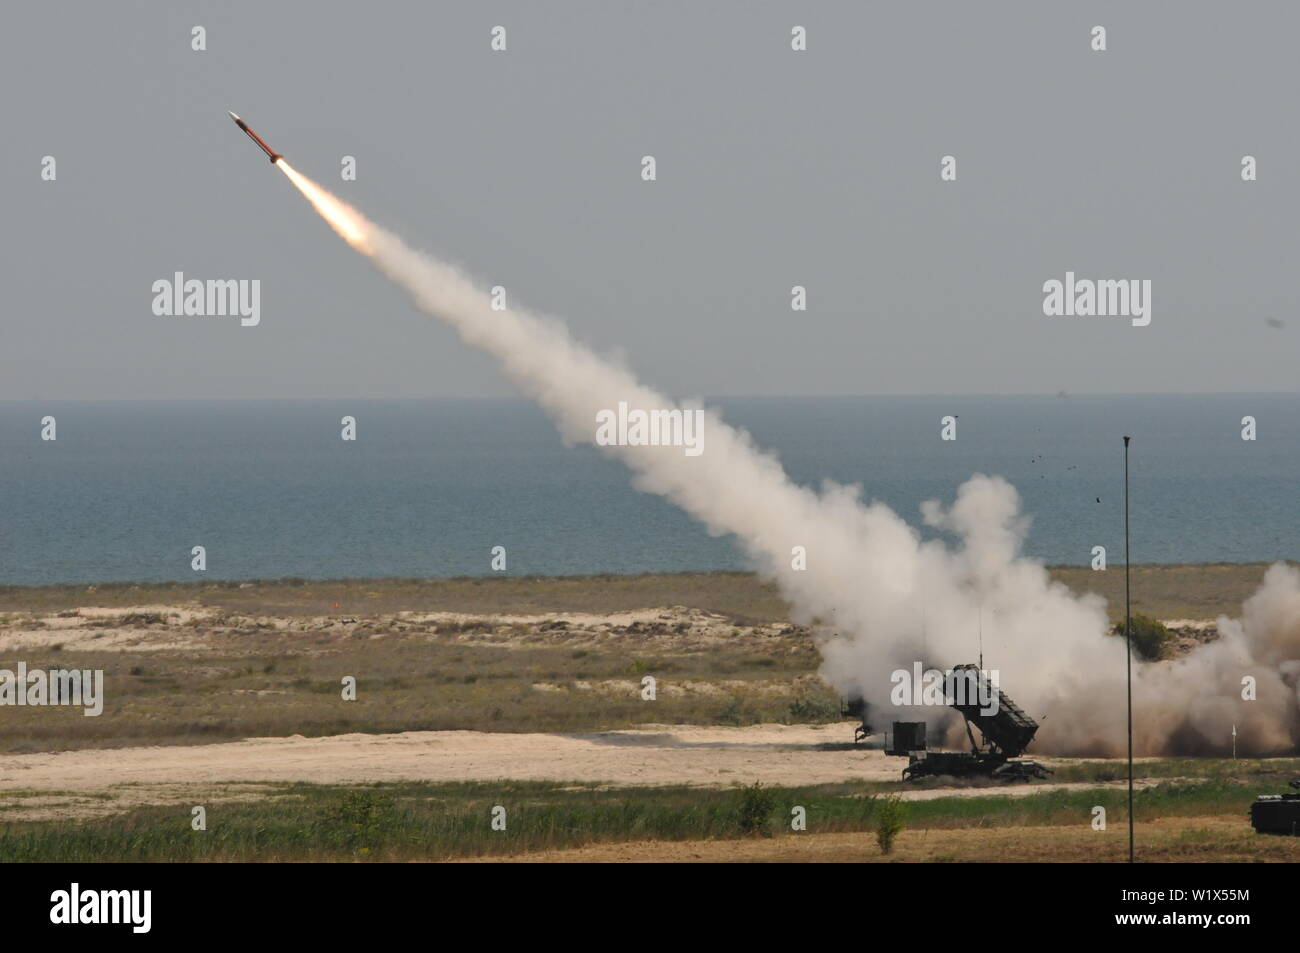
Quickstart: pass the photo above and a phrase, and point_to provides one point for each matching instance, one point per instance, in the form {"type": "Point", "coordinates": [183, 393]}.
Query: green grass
{"type": "Point", "coordinates": [420, 821]}
{"type": "Point", "coordinates": [1168, 799]}
{"type": "Point", "coordinates": [1270, 771]}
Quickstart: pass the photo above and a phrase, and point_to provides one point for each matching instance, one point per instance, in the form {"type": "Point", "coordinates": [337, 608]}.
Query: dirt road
{"type": "Point", "coordinates": [103, 781]}
{"type": "Point", "coordinates": [654, 755]}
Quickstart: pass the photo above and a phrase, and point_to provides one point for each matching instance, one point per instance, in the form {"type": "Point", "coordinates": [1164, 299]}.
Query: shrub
{"type": "Point", "coordinates": [360, 818]}
{"type": "Point", "coordinates": [890, 813]}
{"type": "Point", "coordinates": [733, 713]}
{"type": "Point", "coordinates": [815, 709]}
{"type": "Point", "coordinates": [755, 811]}
{"type": "Point", "coordinates": [1149, 636]}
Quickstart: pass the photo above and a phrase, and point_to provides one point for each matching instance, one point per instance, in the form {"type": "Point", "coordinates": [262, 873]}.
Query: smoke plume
{"type": "Point", "coordinates": [884, 597]}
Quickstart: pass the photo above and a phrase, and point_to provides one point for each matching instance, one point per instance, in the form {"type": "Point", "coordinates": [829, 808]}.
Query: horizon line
{"type": "Point", "coordinates": [1063, 395]}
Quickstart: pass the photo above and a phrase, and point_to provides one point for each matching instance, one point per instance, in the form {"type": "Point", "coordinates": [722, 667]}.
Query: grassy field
{"type": "Point", "coordinates": [251, 682]}
{"type": "Point", "coordinates": [1199, 591]}
{"type": "Point", "coordinates": [1269, 772]}
{"type": "Point", "coordinates": [268, 658]}
{"type": "Point", "coordinates": [410, 821]}
{"type": "Point", "coordinates": [1190, 839]}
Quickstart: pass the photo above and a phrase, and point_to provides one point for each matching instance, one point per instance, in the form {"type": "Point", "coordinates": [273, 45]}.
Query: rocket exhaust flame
{"type": "Point", "coordinates": [870, 575]}
{"type": "Point", "coordinates": [343, 218]}
{"type": "Point", "coordinates": [347, 221]}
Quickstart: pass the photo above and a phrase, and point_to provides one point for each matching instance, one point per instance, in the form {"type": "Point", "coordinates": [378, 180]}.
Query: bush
{"type": "Point", "coordinates": [359, 819]}
{"type": "Point", "coordinates": [1149, 636]}
{"type": "Point", "coordinates": [733, 713]}
{"type": "Point", "coordinates": [890, 813]}
{"type": "Point", "coordinates": [755, 811]}
{"type": "Point", "coordinates": [815, 709]}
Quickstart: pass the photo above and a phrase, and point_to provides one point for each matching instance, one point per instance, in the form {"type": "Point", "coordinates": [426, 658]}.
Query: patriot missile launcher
{"type": "Point", "coordinates": [1005, 729]}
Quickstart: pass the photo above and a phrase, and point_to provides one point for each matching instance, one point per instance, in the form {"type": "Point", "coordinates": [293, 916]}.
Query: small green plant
{"type": "Point", "coordinates": [890, 813]}
{"type": "Point", "coordinates": [358, 819]}
{"type": "Point", "coordinates": [755, 812]}
{"type": "Point", "coordinates": [815, 709]}
{"type": "Point", "coordinates": [733, 713]}
{"type": "Point", "coordinates": [1149, 636]}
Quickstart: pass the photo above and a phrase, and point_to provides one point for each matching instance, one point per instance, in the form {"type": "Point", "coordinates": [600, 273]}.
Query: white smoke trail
{"type": "Point", "coordinates": [869, 576]}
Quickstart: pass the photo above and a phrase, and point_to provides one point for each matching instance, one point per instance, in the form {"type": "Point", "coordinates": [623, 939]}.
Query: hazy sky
{"type": "Point", "coordinates": [775, 168]}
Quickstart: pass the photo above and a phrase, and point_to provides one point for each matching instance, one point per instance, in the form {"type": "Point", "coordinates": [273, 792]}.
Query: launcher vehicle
{"type": "Point", "coordinates": [1006, 733]}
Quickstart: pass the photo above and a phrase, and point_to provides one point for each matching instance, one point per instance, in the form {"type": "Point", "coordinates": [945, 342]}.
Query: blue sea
{"type": "Point", "coordinates": [430, 486]}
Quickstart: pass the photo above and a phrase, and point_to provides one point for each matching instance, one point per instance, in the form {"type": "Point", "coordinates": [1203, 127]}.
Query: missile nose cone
{"type": "Point", "coordinates": [233, 116]}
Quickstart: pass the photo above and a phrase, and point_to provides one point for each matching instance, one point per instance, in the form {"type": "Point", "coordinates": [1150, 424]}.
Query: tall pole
{"type": "Point", "coordinates": [1128, 656]}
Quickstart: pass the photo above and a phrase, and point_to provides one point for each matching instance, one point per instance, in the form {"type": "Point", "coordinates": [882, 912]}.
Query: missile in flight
{"type": "Point", "coordinates": [275, 156]}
